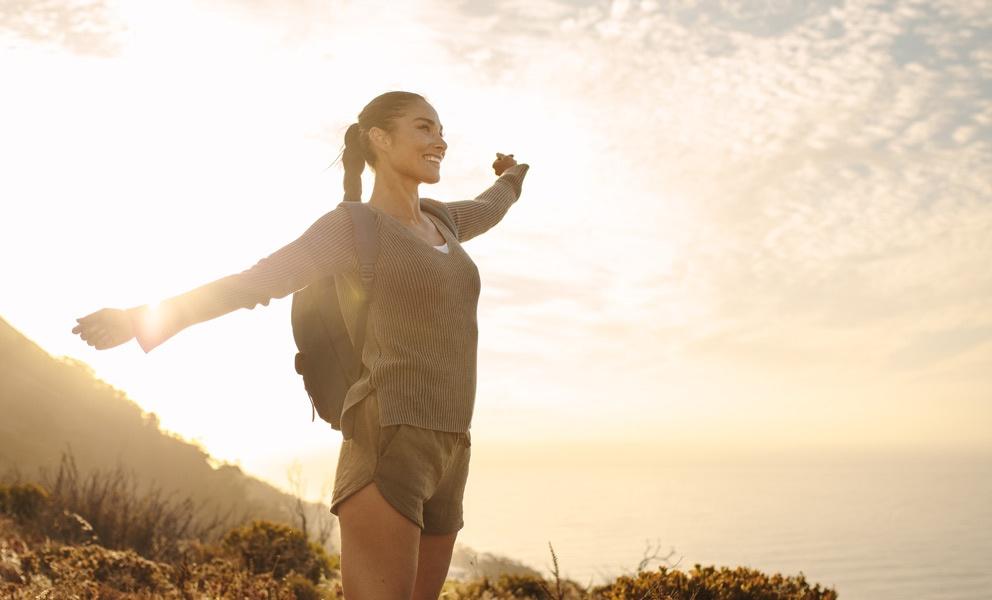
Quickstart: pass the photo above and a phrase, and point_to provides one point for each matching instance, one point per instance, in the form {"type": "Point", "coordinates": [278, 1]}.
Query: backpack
{"type": "Point", "coordinates": [329, 360]}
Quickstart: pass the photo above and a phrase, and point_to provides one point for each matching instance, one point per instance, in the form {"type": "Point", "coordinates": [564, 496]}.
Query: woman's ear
{"type": "Point", "coordinates": [379, 138]}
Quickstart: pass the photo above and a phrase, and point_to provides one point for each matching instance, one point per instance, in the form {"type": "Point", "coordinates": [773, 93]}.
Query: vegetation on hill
{"type": "Point", "coordinates": [166, 524]}
{"type": "Point", "coordinates": [56, 406]}
{"type": "Point", "coordinates": [41, 557]}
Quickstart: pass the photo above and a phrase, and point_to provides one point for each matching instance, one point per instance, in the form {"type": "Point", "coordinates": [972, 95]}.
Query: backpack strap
{"type": "Point", "coordinates": [367, 249]}
{"type": "Point", "coordinates": [439, 210]}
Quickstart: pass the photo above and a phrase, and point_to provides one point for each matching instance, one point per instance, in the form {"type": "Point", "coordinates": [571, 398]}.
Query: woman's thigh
{"type": "Point", "coordinates": [379, 548]}
{"type": "Point", "coordinates": [379, 545]}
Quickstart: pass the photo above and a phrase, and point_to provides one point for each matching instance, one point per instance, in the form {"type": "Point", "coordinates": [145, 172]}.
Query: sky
{"type": "Point", "coordinates": [756, 226]}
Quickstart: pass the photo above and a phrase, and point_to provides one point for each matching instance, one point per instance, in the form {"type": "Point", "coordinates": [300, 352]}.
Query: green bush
{"type": "Point", "coordinates": [303, 588]}
{"type": "Point", "coordinates": [23, 501]}
{"type": "Point", "coordinates": [266, 547]}
{"type": "Point", "coordinates": [96, 572]}
{"type": "Point", "coordinates": [120, 570]}
{"type": "Point", "coordinates": [710, 583]}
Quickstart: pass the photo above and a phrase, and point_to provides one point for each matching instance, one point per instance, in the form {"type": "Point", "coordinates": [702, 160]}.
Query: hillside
{"type": "Point", "coordinates": [49, 405]}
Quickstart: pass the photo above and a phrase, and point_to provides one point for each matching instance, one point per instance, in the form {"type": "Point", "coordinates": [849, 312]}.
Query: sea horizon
{"type": "Point", "coordinates": [891, 526]}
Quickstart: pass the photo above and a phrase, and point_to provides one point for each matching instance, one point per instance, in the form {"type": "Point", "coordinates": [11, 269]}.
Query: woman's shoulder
{"type": "Point", "coordinates": [342, 214]}
{"type": "Point", "coordinates": [431, 203]}
{"type": "Point", "coordinates": [335, 228]}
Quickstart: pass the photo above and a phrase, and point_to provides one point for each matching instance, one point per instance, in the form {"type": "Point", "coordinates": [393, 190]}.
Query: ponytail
{"type": "Point", "coordinates": [353, 160]}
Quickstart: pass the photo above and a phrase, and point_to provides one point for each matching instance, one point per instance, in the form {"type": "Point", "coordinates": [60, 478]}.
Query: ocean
{"type": "Point", "coordinates": [905, 526]}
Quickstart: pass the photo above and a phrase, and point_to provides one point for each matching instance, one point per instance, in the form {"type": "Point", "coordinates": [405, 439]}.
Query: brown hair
{"type": "Point", "coordinates": [380, 112]}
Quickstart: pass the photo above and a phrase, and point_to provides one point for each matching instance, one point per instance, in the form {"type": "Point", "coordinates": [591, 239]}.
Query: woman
{"type": "Point", "coordinates": [404, 462]}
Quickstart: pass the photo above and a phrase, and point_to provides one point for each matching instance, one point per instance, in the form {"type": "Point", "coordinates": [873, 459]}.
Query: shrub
{"type": "Point", "coordinates": [23, 501]}
{"type": "Point", "coordinates": [710, 583]}
{"type": "Point", "coordinates": [120, 570]}
{"type": "Point", "coordinates": [303, 588]}
{"type": "Point", "coordinates": [266, 547]}
{"type": "Point", "coordinates": [506, 586]}
{"type": "Point", "coordinates": [150, 523]}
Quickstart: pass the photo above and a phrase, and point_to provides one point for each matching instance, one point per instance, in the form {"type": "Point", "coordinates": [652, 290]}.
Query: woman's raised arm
{"type": "Point", "coordinates": [475, 217]}
{"type": "Point", "coordinates": [326, 248]}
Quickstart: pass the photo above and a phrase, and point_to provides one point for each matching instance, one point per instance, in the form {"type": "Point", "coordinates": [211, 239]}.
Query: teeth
{"type": "Point", "coordinates": [432, 158]}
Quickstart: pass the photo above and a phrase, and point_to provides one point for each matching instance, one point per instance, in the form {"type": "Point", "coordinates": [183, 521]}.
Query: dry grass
{"type": "Point", "coordinates": [53, 570]}
{"type": "Point", "coordinates": [108, 507]}
{"type": "Point", "coordinates": [100, 537]}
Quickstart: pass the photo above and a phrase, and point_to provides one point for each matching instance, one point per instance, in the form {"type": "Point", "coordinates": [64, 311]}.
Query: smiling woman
{"type": "Point", "coordinates": [404, 462]}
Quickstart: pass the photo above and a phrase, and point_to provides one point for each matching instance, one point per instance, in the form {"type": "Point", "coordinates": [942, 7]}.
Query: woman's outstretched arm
{"type": "Point", "coordinates": [475, 217]}
{"type": "Point", "coordinates": [326, 248]}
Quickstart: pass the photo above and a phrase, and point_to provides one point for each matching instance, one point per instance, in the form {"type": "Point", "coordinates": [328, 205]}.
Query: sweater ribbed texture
{"type": "Point", "coordinates": [421, 343]}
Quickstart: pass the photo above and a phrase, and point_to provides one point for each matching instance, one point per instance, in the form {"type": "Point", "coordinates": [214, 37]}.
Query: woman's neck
{"type": "Point", "coordinates": [397, 196]}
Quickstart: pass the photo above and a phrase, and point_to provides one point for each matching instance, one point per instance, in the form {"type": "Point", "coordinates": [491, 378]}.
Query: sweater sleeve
{"type": "Point", "coordinates": [475, 217]}
{"type": "Point", "coordinates": [325, 248]}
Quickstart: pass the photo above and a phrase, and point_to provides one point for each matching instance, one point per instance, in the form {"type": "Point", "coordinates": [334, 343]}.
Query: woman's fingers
{"type": "Point", "coordinates": [89, 330]}
{"type": "Point", "coordinates": [95, 328]}
{"type": "Point", "coordinates": [100, 341]}
{"type": "Point", "coordinates": [503, 162]}
{"type": "Point", "coordinates": [102, 316]}
{"type": "Point", "coordinates": [105, 328]}
{"type": "Point", "coordinates": [90, 317]}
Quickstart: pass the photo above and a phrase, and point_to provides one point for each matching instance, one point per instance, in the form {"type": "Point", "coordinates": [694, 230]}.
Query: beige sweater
{"type": "Point", "coordinates": [420, 351]}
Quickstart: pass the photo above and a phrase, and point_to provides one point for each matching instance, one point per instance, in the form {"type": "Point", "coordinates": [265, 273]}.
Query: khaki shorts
{"type": "Point", "coordinates": [420, 472]}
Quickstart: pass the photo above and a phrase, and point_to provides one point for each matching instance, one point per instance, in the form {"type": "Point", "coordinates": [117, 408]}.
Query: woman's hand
{"type": "Point", "coordinates": [502, 163]}
{"type": "Point", "coordinates": [105, 328]}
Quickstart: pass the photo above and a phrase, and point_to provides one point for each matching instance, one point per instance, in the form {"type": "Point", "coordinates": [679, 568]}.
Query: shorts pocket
{"type": "Point", "coordinates": [387, 434]}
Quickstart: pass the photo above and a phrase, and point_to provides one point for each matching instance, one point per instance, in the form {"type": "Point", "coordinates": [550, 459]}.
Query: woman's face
{"type": "Point", "coordinates": [415, 147]}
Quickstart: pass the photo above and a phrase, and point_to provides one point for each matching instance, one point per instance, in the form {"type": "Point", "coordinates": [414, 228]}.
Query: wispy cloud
{"type": "Point", "coordinates": [772, 200]}
{"type": "Point", "coordinates": [816, 159]}
{"type": "Point", "coordinates": [87, 27]}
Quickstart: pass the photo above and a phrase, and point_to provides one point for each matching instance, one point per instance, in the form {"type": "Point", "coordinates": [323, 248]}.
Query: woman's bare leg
{"type": "Point", "coordinates": [432, 565]}
{"type": "Point", "coordinates": [379, 548]}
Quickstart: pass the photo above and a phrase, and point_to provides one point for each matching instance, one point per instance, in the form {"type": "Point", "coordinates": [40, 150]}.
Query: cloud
{"type": "Point", "coordinates": [932, 346]}
{"type": "Point", "coordinates": [824, 160]}
{"type": "Point", "coordinates": [85, 27]}
{"type": "Point", "coordinates": [786, 195]}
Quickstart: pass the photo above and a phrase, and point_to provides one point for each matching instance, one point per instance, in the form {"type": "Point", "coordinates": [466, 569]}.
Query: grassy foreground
{"type": "Point", "coordinates": [144, 547]}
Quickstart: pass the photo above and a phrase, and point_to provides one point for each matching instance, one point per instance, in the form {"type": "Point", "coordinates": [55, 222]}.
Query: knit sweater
{"type": "Point", "coordinates": [419, 356]}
